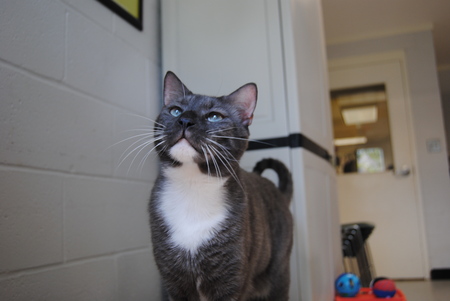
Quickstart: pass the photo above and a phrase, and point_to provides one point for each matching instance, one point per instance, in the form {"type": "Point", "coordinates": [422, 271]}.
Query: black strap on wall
{"type": "Point", "coordinates": [292, 141]}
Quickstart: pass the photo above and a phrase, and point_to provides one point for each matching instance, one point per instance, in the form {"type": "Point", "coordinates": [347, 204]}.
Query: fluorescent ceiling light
{"type": "Point", "coordinates": [350, 141]}
{"type": "Point", "coordinates": [365, 98]}
{"type": "Point", "coordinates": [360, 115]}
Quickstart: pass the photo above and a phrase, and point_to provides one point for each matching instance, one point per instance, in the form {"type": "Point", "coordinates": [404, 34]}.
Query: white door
{"type": "Point", "coordinates": [389, 198]}
{"type": "Point", "coordinates": [217, 46]}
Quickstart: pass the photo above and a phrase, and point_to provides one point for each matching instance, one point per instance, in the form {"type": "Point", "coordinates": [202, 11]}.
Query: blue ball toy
{"type": "Point", "coordinates": [347, 285]}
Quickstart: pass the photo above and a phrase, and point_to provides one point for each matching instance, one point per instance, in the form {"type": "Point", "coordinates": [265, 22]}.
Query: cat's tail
{"type": "Point", "coordinates": [285, 184]}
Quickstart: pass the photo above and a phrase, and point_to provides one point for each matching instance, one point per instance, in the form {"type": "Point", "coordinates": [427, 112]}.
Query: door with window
{"type": "Point", "coordinates": [375, 164]}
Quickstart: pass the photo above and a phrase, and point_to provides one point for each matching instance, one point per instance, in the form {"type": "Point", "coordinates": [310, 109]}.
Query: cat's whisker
{"type": "Point", "coordinates": [207, 161]}
{"type": "Point", "coordinates": [149, 129]}
{"type": "Point", "coordinates": [243, 139]}
{"type": "Point", "coordinates": [139, 135]}
{"type": "Point", "coordinates": [220, 130]}
{"type": "Point", "coordinates": [227, 165]}
{"type": "Point", "coordinates": [230, 137]}
{"type": "Point", "coordinates": [224, 149]}
{"type": "Point", "coordinates": [151, 133]}
{"type": "Point", "coordinates": [216, 165]}
{"type": "Point", "coordinates": [142, 162]}
{"type": "Point", "coordinates": [123, 157]}
{"type": "Point", "coordinates": [144, 117]}
{"type": "Point", "coordinates": [142, 147]}
{"type": "Point", "coordinates": [144, 159]}
{"type": "Point", "coordinates": [163, 149]}
{"type": "Point", "coordinates": [149, 138]}
{"type": "Point", "coordinates": [220, 86]}
{"type": "Point", "coordinates": [126, 154]}
{"type": "Point", "coordinates": [148, 135]}
{"type": "Point", "coordinates": [221, 157]}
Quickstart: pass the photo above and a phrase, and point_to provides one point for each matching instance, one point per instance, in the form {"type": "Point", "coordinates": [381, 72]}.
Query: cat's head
{"type": "Point", "coordinates": [205, 130]}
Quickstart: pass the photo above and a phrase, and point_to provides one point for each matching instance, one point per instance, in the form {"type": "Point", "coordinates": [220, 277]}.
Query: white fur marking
{"type": "Point", "coordinates": [183, 152]}
{"type": "Point", "coordinates": [193, 205]}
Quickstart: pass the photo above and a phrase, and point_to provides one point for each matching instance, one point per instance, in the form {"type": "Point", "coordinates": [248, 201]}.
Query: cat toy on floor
{"type": "Point", "coordinates": [348, 287]}
{"type": "Point", "coordinates": [383, 287]}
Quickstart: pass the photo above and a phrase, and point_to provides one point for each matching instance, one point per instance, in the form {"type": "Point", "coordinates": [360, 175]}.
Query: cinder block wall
{"type": "Point", "coordinates": [73, 221]}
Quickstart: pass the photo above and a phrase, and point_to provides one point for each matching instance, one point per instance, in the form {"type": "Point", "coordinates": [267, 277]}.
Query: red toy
{"type": "Point", "coordinates": [366, 294]}
{"type": "Point", "coordinates": [383, 288]}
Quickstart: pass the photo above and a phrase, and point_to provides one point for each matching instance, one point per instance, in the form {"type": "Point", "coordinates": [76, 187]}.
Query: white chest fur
{"type": "Point", "coordinates": [193, 205]}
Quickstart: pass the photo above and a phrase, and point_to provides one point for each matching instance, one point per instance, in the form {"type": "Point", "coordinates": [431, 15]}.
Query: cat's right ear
{"type": "Point", "coordinates": [173, 88]}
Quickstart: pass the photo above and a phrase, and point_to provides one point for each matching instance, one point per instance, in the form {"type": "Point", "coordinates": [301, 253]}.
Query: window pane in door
{"type": "Point", "coordinates": [361, 129]}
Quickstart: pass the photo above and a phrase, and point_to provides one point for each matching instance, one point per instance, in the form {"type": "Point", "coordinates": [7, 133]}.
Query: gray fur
{"type": "Point", "coordinates": [248, 258]}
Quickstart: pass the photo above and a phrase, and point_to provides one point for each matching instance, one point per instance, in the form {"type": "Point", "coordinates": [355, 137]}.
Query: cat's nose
{"type": "Point", "coordinates": [186, 122]}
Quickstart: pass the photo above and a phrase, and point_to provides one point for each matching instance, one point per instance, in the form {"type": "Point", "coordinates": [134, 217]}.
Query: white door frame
{"type": "Point", "coordinates": [400, 58]}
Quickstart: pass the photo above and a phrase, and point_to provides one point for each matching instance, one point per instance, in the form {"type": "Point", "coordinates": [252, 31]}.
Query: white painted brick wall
{"type": "Point", "coordinates": [50, 127]}
{"type": "Point", "coordinates": [73, 223]}
{"type": "Point", "coordinates": [102, 65]}
{"type": "Point", "coordinates": [31, 224]}
{"type": "Point", "coordinates": [130, 266]}
{"type": "Point", "coordinates": [104, 216]}
{"type": "Point", "coordinates": [32, 36]}
{"type": "Point", "coordinates": [90, 280]}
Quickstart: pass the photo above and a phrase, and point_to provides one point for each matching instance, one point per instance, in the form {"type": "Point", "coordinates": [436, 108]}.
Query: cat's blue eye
{"type": "Point", "coordinates": [214, 117]}
{"type": "Point", "coordinates": [176, 112]}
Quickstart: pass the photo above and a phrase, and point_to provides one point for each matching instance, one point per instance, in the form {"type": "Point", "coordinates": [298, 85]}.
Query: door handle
{"type": "Point", "coordinates": [403, 171]}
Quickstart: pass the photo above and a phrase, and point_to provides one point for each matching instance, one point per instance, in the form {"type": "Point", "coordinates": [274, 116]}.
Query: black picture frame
{"type": "Point", "coordinates": [130, 18]}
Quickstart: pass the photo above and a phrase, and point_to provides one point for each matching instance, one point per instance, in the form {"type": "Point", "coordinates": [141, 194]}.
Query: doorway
{"type": "Point", "coordinates": [361, 129]}
{"type": "Point", "coordinates": [376, 177]}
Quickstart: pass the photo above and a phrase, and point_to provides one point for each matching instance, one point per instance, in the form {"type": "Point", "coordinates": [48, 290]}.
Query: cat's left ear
{"type": "Point", "coordinates": [245, 98]}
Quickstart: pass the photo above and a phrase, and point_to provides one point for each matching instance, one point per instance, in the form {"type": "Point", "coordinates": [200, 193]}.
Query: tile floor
{"type": "Point", "coordinates": [437, 290]}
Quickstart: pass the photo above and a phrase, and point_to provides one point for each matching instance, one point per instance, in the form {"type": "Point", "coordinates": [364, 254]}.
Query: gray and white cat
{"type": "Point", "coordinates": [218, 232]}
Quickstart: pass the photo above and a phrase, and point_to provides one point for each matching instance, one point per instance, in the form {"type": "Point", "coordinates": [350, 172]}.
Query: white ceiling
{"type": "Point", "coordinates": [347, 20]}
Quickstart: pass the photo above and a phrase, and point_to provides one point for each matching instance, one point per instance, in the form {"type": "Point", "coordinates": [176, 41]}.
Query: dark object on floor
{"type": "Point", "coordinates": [355, 248]}
{"type": "Point", "coordinates": [439, 274]}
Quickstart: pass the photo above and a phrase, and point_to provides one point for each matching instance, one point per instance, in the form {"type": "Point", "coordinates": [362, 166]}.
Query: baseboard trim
{"type": "Point", "coordinates": [438, 274]}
